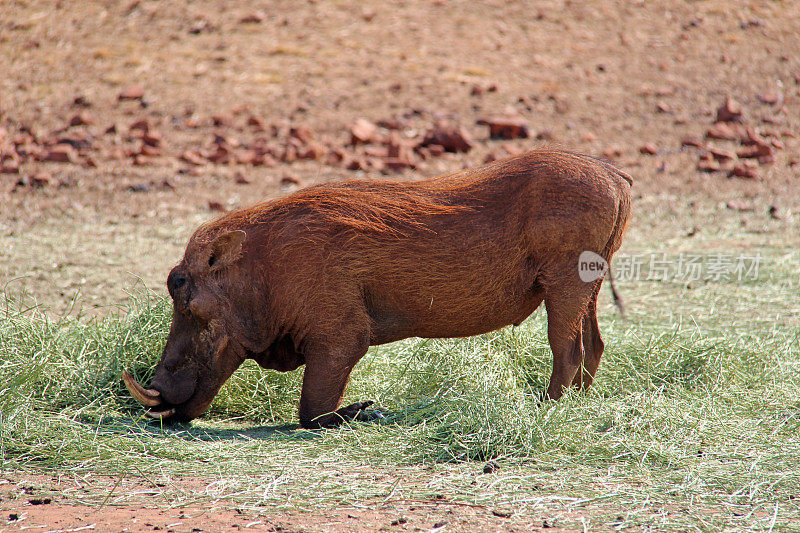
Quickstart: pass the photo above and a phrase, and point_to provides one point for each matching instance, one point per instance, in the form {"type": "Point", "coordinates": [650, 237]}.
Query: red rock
{"type": "Point", "coordinates": [507, 127]}
{"type": "Point", "coordinates": [81, 119]}
{"type": "Point", "coordinates": [338, 157]}
{"type": "Point", "coordinates": [289, 181]}
{"type": "Point", "coordinates": [242, 179]}
{"type": "Point", "coordinates": [139, 127]}
{"type": "Point", "coordinates": [61, 153]}
{"type": "Point", "coordinates": [289, 154]}
{"type": "Point", "coordinates": [662, 107]}
{"type": "Point", "coordinates": [363, 131]}
{"type": "Point", "coordinates": [216, 206]}
{"type": "Point", "coordinates": [588, 137]}
{"type": "Point", "coordinates": [149, 150]}
{"type": "Point", "coordinates": [721, 154]}
{"type": "Point", "coordinates": [376, 151]}
{"type": "Point", "coordinates": [730, 111]}
{"type": "Point", "coordinates": [648, 149]}
{"type": "Point", "coordinates": [755, 150]}
{"type": "Point", "coordinates": [707, 164]}
{"type": "Point", "coordinates": [255, 17]}
{"type": "Point", "coordinates": [152, 138]}
{"type": "Point", "coordinates": [512, 149]}
{"type": "Point", "coordinates": [491, 156]}
{"type": "Point", "coordinates": [788, 133]}
{"type": "Point", "coordinates": [257, 123]}
{"type": "Point", "coordinates": [302, 133]}
{"type": "Point", "coordinates": [770, 97]}
{"type": "Point", "coordinates": [777, 144]}
{"type": "Point", "coordinates": [738, 205]}
{"type": "Point", "coordinates": [222, 120]}
{"type": "Point", "coordinates": [41, 179]}
{"type": "Point", "coordinates": [134, 92]}
{"type": "Point", "coordinates": [451, 137]}
{"type": "Point", "coordinates": [247, 157]}
{"type": "Point", "coordinates": [193, 157]}
{"type": "Point", "coordinates": [140, 160]}
{"type": "Point", "coordinates": [692, 141]}
{"type": "Point", "coordinates": [266, 160]}
{"type": "Point", "coordinates": [435, 150]}
{"type": "Point", "coordinates": [745, 169]}
{"type": "Point", "coordinates": [313, 150]}
{"type": "Point", "coordinates": [612, 152]}
{"type": "Point", "coordinates": [724, 131]}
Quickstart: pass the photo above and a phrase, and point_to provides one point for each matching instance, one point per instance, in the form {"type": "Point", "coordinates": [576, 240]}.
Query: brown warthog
{"type": "Point", "coordinates": [317, 277]}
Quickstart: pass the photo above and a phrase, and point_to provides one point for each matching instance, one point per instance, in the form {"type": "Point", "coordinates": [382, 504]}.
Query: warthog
{"type": "Point", "coordinates": [317, 277]}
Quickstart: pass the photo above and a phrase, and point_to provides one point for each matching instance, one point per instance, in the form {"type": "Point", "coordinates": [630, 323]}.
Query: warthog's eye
{"type": "Point", "coordinates": [212, 260]}
{"type": "Point", "coordinates": [180, 281]}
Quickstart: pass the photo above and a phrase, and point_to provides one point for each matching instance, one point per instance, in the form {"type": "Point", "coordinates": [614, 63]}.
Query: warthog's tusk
{"type": "Point", "coordinates": [161, 415]}
{"type": "Point", "coordinates": [147, 397]}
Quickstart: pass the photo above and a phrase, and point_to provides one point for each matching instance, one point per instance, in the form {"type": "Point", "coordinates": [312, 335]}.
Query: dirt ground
{"type": "Point", "coordinates": [124, 125]}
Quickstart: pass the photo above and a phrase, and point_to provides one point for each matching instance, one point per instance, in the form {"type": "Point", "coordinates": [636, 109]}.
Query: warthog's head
{"type": "Point", "coordinates": [206, 343]}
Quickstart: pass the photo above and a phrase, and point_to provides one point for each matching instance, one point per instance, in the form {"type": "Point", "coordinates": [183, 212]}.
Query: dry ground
{"type": "Point", "coordinates": [601, 77]}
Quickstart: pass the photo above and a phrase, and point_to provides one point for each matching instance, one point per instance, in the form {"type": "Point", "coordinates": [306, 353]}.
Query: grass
{"type": "Point", "coordinates": [693, 424]}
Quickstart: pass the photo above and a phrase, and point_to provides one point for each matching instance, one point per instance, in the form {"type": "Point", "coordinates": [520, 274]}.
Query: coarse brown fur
{"type": "Point", "coordinates": [317, 277]}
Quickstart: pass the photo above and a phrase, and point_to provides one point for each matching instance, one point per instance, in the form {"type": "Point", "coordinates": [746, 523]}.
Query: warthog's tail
{"type": "Point", "coordinates": [617, 298]}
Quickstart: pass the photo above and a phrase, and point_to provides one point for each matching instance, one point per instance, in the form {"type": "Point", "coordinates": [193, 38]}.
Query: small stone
{"type": "Point", "coordinates": [770, 97]}
{"type": "Point", "coordinates": [216, 206]}
{"type": "Point", "coordinates": [773, 213]}
{"type": "Point", "coordinates": [81, 119]}
{"type": "Point", "coordinates": [363, 131]}
{"type": "Point", "coordinates": [648, 149]}
{"type": "Point", "coordinates": [690, 140]}
{"type": "Point", "coordinates": [612, 152]}
{"type": "Point", "coordinates": [507, 127]}
{"type": "Point", "coordinates": [450, 137]}
{"type": "Point", "coordinates": [708, 164]}
{"type": "Point", "coordinates": [61, 153]}
{"type": "Point", "coordinates": [745, 169]}
{"type": "Point", "coordinates": [738, 205]}
{"type": "Point", "coordinates": [242, 179]}
{"type": "Point", "coordinates": [134, 92]}
{"type": "Point", "coordinates": [193, 157]}
{"type": "Point", "coordinates": [302, 133]}
{"type": "Point", "coordinates": [724, 131]}
{"type": "Point", "coordinates": [502, 513]}
{"type": "Point", "coordinates": [721, 154]}
{"type": "Point", "coordinates": [730, 111]}
{"type": "Point", "coordinates": [255, 17]}
{"type": "Point", "coordinates": [257, 123]}
{"type": "Point", "coordinates": [755, 151]}
{"type": "Point", "coordinates": [588, 137]}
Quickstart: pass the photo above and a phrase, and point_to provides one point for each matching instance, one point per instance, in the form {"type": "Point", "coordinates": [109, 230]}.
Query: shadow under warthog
{"type": "Point", "coordinates": [135, 427]}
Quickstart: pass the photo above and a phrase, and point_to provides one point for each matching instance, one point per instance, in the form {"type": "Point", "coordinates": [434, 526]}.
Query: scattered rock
{"type": "Point", "coordinates": [773, 213]}
{"type": "Point", "coordinates": [690, 140]}
{"type": "Point", "coordinates": [738, 205]}
{"type": "Point", "coordinates": [242, 179]}
{"type": "Point", "coordinates": [721, 154]}
{"type": "Point", "coordinates": [257, 123]}
{"type": "Point", "coordinates": [648, 149]}
{"type": "Point", "coordinates": [363, 131]}
{"type": "Point", "coordinates": [216, 206]}
{"type": "Point", "coordinates": [302, 133]}
{"type": "Point", "coordinates": [134, 92]}
{"type": "Point", "coordinates": [502, 513]}
{"type": "Point", "coordinates": [451, 137]}
{"type": "Point", "coordinates": [61, 153]}
{"type": "Point", "coordinates": [400, 521]}
{"type": "Point", "coordinates": [755, 151]}
{"type": "Point", "coordinates": [193, 157]}
{"type": "Point", "coordinates": [770, 97]}
{"type": "Point", "coordinates": [612, 152]}
{"type": "Point", "coordinates": [81, 119]}
{"type": "Point", "coordinates": [730, 111]}
{"type": "Point", "coordinates": [256, 17]}
{"type": "Point", "coordinates": [725, 131]}
{"type": "Point", "coordinates": [707, 164]}
{"type": "Point", "coordinates": [745, 169]}
{"type": "Point", "coordinates": [506, 127]}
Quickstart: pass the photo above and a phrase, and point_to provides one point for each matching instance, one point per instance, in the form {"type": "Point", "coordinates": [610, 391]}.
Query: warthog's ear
{"type": "Point", "coordinates": [224, 250]}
